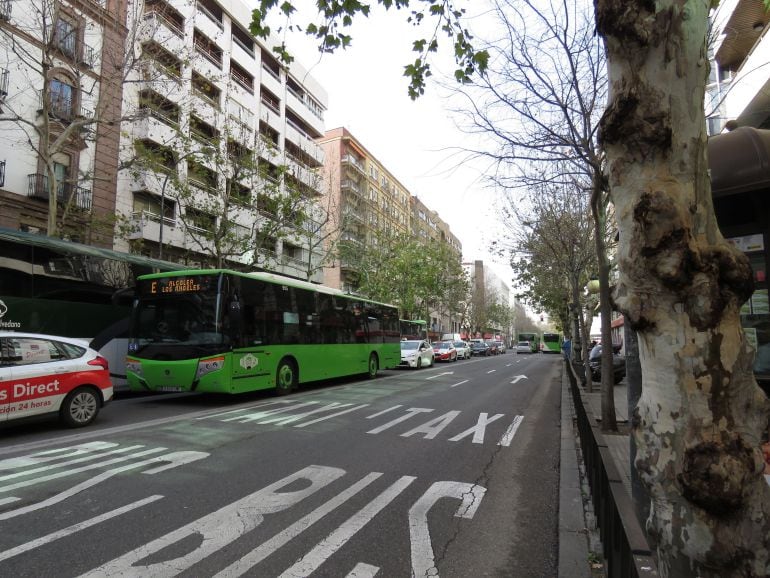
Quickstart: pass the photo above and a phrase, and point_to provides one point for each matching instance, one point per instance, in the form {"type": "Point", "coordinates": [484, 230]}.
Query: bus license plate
{"type": "Point", "coordinates": [170, 388]}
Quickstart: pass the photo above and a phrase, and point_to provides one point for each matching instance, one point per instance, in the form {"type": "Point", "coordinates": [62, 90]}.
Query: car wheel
{"type": "Point", "coordinates": [286, 377]}
{"type": "Point", "coordinates": [80, 407]}
{"type": "Point", "coordinates": [373, 366]}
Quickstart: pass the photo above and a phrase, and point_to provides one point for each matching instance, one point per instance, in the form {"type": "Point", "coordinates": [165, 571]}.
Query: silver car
{"type": "Point", "coordinates": [416, 353]}
{"type": "Point", "coordinates": [463, 350]}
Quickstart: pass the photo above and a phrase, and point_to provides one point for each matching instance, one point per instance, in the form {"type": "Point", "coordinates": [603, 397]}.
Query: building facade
{"type": "Point", "coordinates": [61, 65]}
{"type": "Point", "coordinates": [224, 130]}
{"type": "Point", "coordinates": [486, 289]}
{"type": "Point", "coordinates": [364, 197]}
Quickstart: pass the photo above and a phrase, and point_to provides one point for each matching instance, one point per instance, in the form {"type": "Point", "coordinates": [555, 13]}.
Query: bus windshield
{"type": "Point", "coordinates": [189, 321]}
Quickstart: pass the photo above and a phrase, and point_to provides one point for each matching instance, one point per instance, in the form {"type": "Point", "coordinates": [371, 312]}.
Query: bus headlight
{"type": "Point", "coordinates": [134, 366]}
{"type": "Point", "coordinates": [206, 366]}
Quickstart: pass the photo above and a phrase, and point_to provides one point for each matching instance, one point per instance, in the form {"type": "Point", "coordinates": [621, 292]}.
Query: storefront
{"type": "Point", "coordinates": [740, 186]}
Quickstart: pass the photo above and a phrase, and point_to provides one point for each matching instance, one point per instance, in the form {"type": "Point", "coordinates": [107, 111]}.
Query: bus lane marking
{"type": "Point", "coordinates": [433, 427]}
{"type": "Point", "coordinates": [283, 420]}
{"type": "Point", "coordinates": [440, 374]}
{"type": "Point", "coordinates": [411, 412]}
{"type": "Point", "coordinates": [478, 430]}
{"type": "Point", "coordinates": [384, 411]}
{"type": "Point", "coordinates": [423, 560]}
{"type": "Point", "coordinates": [337, 539]}
{"type": "Point", "coordinates": [511, 431]}
{"type": "Point", "coordinates": [175, 459]}
{"type": "Point", "coordinates": [72, 471]}
{"type": "Point", "coordinates": [247, 408]}
{"type": "Point", "coordinates": [51, 455]}
{"type": "Point", "coordinates": [220, 528]}
{"type": "Point", "coordinates": [518, 378]}
{"type": "Point", "coordinates": [343, 412]}
{"type": "Point", "coordinates": [265, 549]}
{"type": "Point", "coordinates": [258, 415]}
{"type": "Point", "coordinates": [43, 540]}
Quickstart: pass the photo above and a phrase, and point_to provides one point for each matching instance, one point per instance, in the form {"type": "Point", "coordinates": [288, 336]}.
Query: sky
{"type": "Point", "coordinates": [417, 141]}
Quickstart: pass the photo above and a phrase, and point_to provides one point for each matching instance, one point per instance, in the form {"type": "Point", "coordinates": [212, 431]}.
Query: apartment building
{"type": "Point", "coordinates": [487, 287]}
{"type": "Point", "coordinates": [365, 198]}
{"type": "Point", "coordinates": [738, 91]}
{"type": "Point", "coordinates": [226, 129]}
{"type": "Point", "coordinates": [60, 95]}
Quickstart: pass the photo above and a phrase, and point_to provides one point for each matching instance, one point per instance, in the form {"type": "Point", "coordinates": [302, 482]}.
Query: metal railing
{"type": "Point", "coordinates": [37, 187]}
{"type": "Point", "coordinates": [626, 550]}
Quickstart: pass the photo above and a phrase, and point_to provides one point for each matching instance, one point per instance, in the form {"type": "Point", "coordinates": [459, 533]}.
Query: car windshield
{"type": "Point", "coordinates": [523, 343]}
{"type": "Point", "coordinates": [409, 344]}
{"type": "Point", "coordinates": [441, 345]}
{"type": "Point", "coordinates": [459, 344]}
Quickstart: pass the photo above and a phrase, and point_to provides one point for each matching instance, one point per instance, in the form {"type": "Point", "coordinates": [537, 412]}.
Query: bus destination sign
{"type": "Point", "coordinates": [174, 286]}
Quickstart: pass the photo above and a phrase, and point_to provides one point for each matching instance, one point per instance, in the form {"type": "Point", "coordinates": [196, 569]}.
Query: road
{"type": "Point", "coordinates": [449, 471]}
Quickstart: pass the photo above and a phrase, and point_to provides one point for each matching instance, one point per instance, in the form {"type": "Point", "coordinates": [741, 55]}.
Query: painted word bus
{"type": "Point", "coordinates": [551, 343]}
{"type": "Point", "coordinates": [228, 332]}
{"type": "Point", "coordinates": [61, 288]}
{"type": "Point", "coordinates": [533, 338]}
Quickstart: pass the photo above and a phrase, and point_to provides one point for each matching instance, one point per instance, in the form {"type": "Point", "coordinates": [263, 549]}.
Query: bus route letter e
{"type": "Point", "coordinates": [219, 528]}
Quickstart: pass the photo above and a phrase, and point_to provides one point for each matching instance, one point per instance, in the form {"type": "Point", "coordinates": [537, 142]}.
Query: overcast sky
{"type": "Point", "coordinates": [415, 140]}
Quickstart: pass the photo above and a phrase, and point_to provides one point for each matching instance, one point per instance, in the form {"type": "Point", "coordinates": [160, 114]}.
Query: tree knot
{"type": "Point", "coordinates": [715, 475]}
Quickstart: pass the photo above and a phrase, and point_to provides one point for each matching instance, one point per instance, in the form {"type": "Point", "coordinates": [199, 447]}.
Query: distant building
{"type": "Point", "coordinates": [486, 288]}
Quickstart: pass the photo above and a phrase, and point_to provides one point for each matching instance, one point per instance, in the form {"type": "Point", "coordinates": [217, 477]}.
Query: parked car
{"type": "Point", "coordinates": [416, 353]}
{"type": "Point", "coordinates": [444, 351]}
{"type": "Point", "coordinates": [595, 362]}
{"type": "Point", "coordinates": [479, 348]}
{"type": "Point", "coordinates": [493, 348]}
{"type": "Point", "coordinates": [45, 374]}
{"type": "Point", "coordinates": [463, 350]}
{"type": "Point", "coordinates": [501, 346]}
{"type": "Point", "coordinates": [523, 347]}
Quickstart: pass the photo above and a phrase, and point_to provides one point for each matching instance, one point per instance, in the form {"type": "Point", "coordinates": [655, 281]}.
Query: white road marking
{"type": "Point", "coordinates": [511, 431]}
{"type": "Point", "coordinates": [219, 529]}
{"type": "Point", "coordinates": [517, 378]}
{"type": "Point", "coordinates": [363, 571]}
{"type": "Point", "coordinates": [311, 422]}
{"type": "Point", "coordinates": [459, 383]}
{"type": "Point", "coordinates": [26, 547]}
{"type": "Point", "coordinates": [51, 455]}
{"type": "Point", "coordinates": [378, 414]}
{"type": "Point", "coordinates": [412, 411]}
{"type": "Point", "coordinates": [423, 561]}
{"type": "Point", "coordinates": [440, 374]}
{"type": "Point", "coordinates": [491, 371]}
{"type": "Point", "coordinates": [176, 459]}
{"type": "Point", "coordinates": [264, 550]}
{"type": "Point", "coordinates": [247, 408]}
{"type": "Point", "coordinates": [478, 429]}
{"type": "Point", "coordinates": [337, 539]}
{"type": "Point", "coordinates": [260, 415]}
{"type": "Point", "coordinates": [282, 420]}
{"type": "Point", "coordinates": [433, 427]}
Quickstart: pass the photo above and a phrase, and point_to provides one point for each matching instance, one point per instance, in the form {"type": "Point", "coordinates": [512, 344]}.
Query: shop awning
{"type": "Point", "coordinates": [739, 161]}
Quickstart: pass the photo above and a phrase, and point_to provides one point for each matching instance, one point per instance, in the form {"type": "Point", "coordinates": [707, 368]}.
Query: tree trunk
{"type": "Point", "coordinates": [701, 415]}
{"type": "Point", "coordinates": [609, 419]}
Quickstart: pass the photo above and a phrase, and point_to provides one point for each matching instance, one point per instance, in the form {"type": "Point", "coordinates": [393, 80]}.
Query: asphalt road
{"type": "Point", "coordinates": [449, 471]}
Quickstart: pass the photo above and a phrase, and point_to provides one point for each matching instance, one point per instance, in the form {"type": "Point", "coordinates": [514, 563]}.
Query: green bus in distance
{"type": "Point", "coordinates": [551, 342]}
{"type": "Point", "coordinates": [227, 332]}
{"type": "Point", "coordinates": [533, 338]}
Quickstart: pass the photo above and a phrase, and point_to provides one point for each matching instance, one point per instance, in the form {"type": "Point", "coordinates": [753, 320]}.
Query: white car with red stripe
{"type": "Point", "coordinates": [42, 374]}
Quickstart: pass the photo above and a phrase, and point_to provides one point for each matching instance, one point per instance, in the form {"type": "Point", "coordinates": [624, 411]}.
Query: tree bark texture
{"type": "Point", "coordinates": [701, 415]}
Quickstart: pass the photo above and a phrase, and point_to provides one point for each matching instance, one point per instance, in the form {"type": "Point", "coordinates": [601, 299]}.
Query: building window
{"type": "Point", "coordinates": [145, 203]}
{"type": "Point", "coordinates": [61, 99]}
{"type": "Point", "coordinates": [65, 37]}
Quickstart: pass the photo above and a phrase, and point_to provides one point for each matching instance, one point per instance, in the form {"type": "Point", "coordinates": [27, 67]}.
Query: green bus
{"type": "Point", "coordinates": [551, 342]}
{"type": "Point", "coordinates": [413, 328]}
{"type": "Point", "coordinates": [228, 332]}
{"type": "Point", "coordinates": [533, 338]}
{"type": "Point", "coordinates": [48, 285]}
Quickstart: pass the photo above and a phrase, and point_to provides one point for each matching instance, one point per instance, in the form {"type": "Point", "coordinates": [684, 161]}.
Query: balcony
{"type": "Point", "coordinates": [163, 29]}
{"type": "Point", "coordinates": [62, 107]}
{"type": "Point", "coordinates": [351, 186]}
{"type": "Point", "coordinates": [242, 79]}
{"type": "Point", "coordinates": [352, 161]}
{"type": "Point", "coordinates": [305, 143]}
{"type": "Point", "coordinates": [66, 193]}
{"type": "Point", "coordinates": [208, 50]}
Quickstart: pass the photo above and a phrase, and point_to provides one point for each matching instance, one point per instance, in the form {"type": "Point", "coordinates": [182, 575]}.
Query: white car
{"type": "Point", "coordinates": [416, 353]}
{"type": "Point", "coordinates": [523, 347]}
{"type": "Point", "coordinates": [41, 374]}
{"type": "Point", "coordinates": [463, 350]}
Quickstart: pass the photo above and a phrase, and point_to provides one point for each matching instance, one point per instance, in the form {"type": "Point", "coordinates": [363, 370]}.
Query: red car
{"type": "Point", "coordinates": [444, 351]}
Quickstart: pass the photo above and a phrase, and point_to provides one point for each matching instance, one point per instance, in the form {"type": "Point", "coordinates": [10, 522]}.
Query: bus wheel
{"type": "Point", "coordinates": [80, 407]}
{"type": "Point", "coordinates": [373, 366]}
{"type": "Point", "coordinates": [286, 377]}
